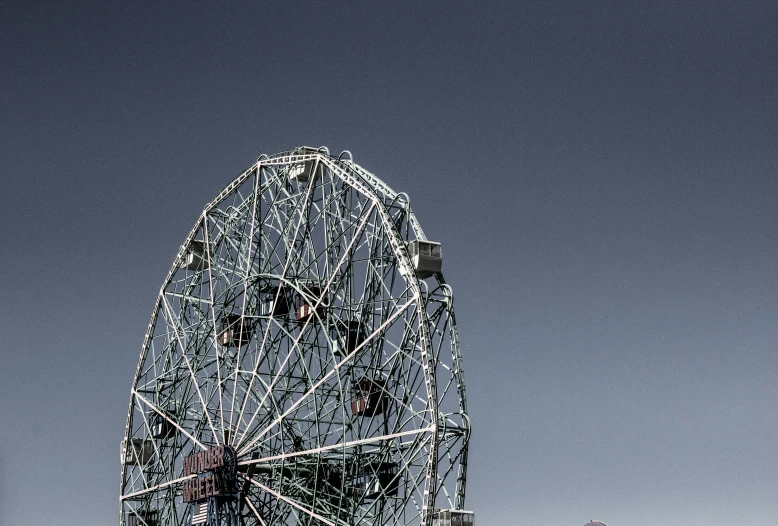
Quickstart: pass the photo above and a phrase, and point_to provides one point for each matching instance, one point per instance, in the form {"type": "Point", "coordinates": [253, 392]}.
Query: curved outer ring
{"type": "Point", "coordinates": [370, 186]}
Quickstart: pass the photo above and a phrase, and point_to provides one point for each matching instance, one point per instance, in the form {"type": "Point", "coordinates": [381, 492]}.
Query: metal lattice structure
{"type": "Point", "coordinates": [298, 335]}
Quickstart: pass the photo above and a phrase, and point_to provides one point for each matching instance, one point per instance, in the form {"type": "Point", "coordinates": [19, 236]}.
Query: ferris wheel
{"type": "Point", "coordinates": [302, 364]}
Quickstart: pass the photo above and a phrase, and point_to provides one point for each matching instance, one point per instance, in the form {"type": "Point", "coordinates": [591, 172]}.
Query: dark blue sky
{"type": "Point", "coordinates": [601, 175]}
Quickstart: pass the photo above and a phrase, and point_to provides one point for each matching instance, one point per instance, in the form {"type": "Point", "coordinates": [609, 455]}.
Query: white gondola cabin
{"type": "Point", "coordinates": [305, 171]}
{"type": "Point", "coordinates": [349, 337]}
{"type": "Point", "coordinates": [195, 257]}
{"type": "Point", "coordinates": [143, 518]}
{"type": "Point", "coordinates": [453, 518]}
{"type": "Point", "coordinates": [427, 257]}
{"type": "Point", "coordinates": [162, 427]}
{"type": "Point", "coordinates": [137, 452]}
{"type": "Point", "coordinates": [378, 480]}
{"type": "Point", "coordinates": [273, 303]}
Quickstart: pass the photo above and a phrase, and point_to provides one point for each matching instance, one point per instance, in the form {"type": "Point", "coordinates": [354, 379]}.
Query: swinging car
{"type": "Point", "coordinates": [195, 257]}
{"type": "Point", "coordinates": [378, 480]}
{"type": "Point", "coordinates": [427, 257]}
{"type": "Point", "coordinates": [234, 330]}
{"type": "Point", "coordinates": [453, 518]}
{"type": "Point", "coordinates": [143, 518]}
{"type": "Point", "coordinates": [367, 396]}
{"type": "Point", "coordinates": [304, 302]}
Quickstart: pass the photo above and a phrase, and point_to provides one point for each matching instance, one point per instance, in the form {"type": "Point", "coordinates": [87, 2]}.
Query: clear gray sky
{"type": "Point", "coordinates": [602, 177]}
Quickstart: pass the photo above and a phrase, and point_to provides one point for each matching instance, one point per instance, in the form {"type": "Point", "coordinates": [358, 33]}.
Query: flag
{"type": "Point", "coordinates": [199, 513]}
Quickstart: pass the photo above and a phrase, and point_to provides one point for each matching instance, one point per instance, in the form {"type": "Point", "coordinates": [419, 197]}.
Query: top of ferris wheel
{"type": "Point", "coordinates": [426, 256]}
{"type": "Point", "coordinates": [345, 159]}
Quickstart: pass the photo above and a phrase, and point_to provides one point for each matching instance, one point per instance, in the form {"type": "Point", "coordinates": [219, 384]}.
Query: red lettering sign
{"type": "Point", "coordinates": [209, 466]}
